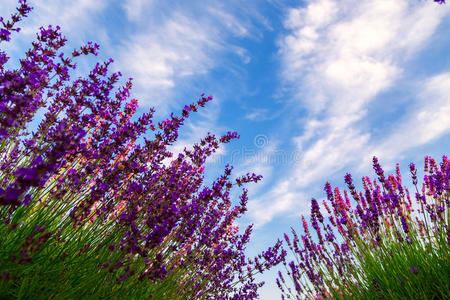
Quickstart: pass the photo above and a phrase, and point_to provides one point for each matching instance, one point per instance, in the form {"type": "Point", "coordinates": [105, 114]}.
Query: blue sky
{"type": "Point", "coordinates": [314, 88]}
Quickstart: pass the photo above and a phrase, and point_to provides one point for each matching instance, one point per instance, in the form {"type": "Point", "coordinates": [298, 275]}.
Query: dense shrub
{"type": "Point", "coordinates": [389, 246]}
{"type": "Point", "coordinates": [87, 211]}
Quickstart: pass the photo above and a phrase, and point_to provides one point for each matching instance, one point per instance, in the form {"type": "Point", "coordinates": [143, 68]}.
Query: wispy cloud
{"type": "Point", "coordinates": [176, 44]}
{"type": "Point", "coordinates": [282, 199]}
{"type": "Point", "coordinates": [135, 8]}
{"type": "Point", "coordinates": [426, 120]}
{"type": "Point", "coordinates": [76, 19]}
{"type": "Point", "coordinates": [173, 45]}
{"type": "Point", "coordinates": [158, 57]}
{"type": "Point", "coordinates": [338, 57]}
{"type": "Point", "coordinates": [266, 158]}
{"type": "Point", "coordinates": [258, 114]}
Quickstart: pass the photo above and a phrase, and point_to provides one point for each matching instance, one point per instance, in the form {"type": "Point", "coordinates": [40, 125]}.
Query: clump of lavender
{"type": "Point", "coordinates": [383, 242]}
{"type": "Point", "coordinates": [87, 211]}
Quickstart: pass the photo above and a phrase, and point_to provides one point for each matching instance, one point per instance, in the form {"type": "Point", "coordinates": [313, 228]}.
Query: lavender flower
{"type": "Point", "coordinates": [82, 188]}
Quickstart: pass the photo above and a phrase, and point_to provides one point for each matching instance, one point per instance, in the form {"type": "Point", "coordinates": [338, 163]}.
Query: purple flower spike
{"type": "Point", "coordinates": [374, 219]}
{"type": "Point", "coordinates": [412, 169]}
{"type": "Point", "coordinates": [404, 224]}
{"type": "Point", "coordinates": [315, 210]}
{"type": "Point", "coordinates": [376, 285]}
{"type": "Point", "coordinates": [378, 170]}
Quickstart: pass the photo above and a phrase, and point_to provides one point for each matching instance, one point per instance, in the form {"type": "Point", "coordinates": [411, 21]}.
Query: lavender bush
{"type": "Point", "coordinates": [88, 212]}
{"type": "Point", "coordinates": [388, 247]}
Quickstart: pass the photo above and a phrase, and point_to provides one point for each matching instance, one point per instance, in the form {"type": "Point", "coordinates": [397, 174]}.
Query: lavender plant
{"type": "Point", "coordinates": [387, 247]}
{"type": "Point", "coordinates": [88, 212]}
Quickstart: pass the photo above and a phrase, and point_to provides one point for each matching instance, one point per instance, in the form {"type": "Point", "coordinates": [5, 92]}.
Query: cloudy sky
{"type": "Point", "coordinates": [314, 88]}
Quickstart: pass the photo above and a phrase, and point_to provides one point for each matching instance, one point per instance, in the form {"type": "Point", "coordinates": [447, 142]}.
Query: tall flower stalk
{"type": "Point", "coordinates": [88, 212]}
{"type": "Point", "coordinates": [382, 243]}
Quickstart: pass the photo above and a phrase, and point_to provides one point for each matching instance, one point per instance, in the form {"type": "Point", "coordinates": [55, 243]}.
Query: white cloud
{"type": "Point", "coordinates": [231, 22]}
{"type": "Point", "coordinates": [157, 57]}
{"type": "Point", "coordinates": [179, 47]}
{"type": "Point", "coordinates": [316, 15]}
{"type": "Point", "coordinates": [338, 56]}
{"type": "Point", "coordinates": [327, 155]}
{"type": "Point", "coordinates": [74, 17]}
{"type": "Point", "coordinates": [280, 199]}
{"type": "Point", "coordinates": [258, 114]}
{"type": "Point", "coordinates": [173, 45]}
{"type": "Point", "coordinates": [135, 8]}
{"type": "Point", "coordinates": [427, 120]}
{"type": "Point", "coordinates": [266, 158]}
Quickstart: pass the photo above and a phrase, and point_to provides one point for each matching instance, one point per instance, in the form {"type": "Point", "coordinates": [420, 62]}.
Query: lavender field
{"type": "Point", "coordinates": [107, 196]}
